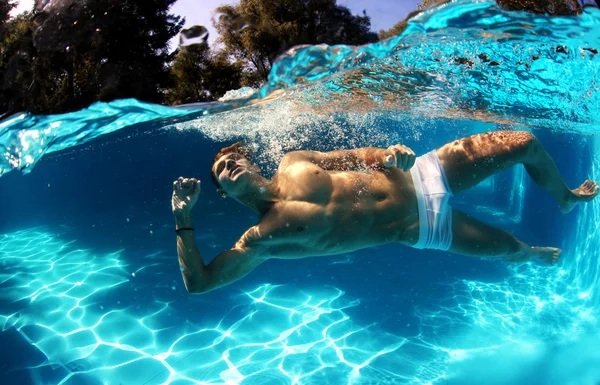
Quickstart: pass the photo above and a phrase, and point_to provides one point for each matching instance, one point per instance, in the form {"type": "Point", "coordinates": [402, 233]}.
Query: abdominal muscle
{"type": "Point", "coordinates": [373, 209]}
{"type": "Point", "coordinates": [364, 209]}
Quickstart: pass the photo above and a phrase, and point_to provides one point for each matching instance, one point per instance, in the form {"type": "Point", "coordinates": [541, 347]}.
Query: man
{"type": "Point", "coordinates": [341, 201]}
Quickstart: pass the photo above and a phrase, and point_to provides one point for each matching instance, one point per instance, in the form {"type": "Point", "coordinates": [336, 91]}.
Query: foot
{"type": "Point", "coordinates": [584, 193]}
{"type": "Point", "coordinates": [546, 255]}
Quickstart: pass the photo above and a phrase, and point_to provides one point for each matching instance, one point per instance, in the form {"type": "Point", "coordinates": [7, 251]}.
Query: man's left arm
{"type": "Point", "coordinates": [368, 157]}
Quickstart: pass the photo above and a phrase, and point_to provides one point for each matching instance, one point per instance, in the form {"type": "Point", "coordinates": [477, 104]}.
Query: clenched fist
{"type": "Point", "coordinates": [399, 156]}
{"type": "Point", "coordinates": [185, 196]}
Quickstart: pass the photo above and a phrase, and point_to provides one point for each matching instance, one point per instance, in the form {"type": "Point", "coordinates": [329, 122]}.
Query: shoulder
{"type": "Point", "coordinates": [294, 157]}
{"type": "Point", "coordinates": [294, 164]}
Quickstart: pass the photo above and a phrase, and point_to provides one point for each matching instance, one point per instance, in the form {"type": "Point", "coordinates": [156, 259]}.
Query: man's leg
{"type": "Point", "coordinates": [475, 238]}
{"type": "Point", "coordinates": [470, 160]}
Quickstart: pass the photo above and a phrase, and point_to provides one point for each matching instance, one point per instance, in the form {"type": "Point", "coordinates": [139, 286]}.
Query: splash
{"type": "Point", "coordinates": [462, 60]}
{"type": "Point", "coordinates": [25, 138]}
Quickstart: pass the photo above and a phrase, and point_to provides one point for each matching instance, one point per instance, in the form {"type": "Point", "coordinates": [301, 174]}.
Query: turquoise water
{"type": "Point", "coordinates": [90, 283]}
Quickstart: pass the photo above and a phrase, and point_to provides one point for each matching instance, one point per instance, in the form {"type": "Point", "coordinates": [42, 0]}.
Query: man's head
{"type": "Point", "coordinates": [232, 171]}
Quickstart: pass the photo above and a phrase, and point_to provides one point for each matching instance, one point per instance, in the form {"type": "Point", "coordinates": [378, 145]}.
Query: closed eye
{"type": "Point", "coordinates": [220, 168]}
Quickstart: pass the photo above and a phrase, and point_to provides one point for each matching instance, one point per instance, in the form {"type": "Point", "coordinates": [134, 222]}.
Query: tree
{"type": "Point", "coordinates": [199, 75]}
{"type": "Point", "coordinates": [15, 64]}
{"type": "Point", "coordinates": [257, 31]}
{"type": "Point", "coordinates": [396, 30]}
{"type": "Point", "coordinates": [5, 7]}
{"type": "Point", "coordinates": [74, 53]}
{"type": "Point", "coordinates": [431, 3]}
{"type": "Point", "coordinates": [133, 48]}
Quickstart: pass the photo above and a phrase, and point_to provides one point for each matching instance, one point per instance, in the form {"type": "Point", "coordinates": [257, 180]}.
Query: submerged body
{"type": "Point", "coordinates": [322, 212]}
{"type": "Point", "coordinates": [337, 202]}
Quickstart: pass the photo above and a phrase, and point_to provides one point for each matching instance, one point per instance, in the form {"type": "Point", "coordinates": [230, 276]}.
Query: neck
{"type": "Point", "coordinates": [261, 197]}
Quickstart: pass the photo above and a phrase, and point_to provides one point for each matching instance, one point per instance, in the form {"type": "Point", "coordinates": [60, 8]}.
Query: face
{"type": "Point", "coordinates": [233, 171]}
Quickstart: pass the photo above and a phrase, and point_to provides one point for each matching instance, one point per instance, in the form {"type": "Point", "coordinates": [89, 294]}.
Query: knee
{"type": "Point", "coordinates": [526, 144]}
{"type": "Point", "coordinates": [524, 138]}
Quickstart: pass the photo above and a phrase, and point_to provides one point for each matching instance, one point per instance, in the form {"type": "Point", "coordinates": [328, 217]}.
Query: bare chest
{"type": "Point", "coordinates": [330, 213]}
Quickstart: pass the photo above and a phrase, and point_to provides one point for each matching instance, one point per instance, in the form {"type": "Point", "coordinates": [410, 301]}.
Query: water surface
{"type": "Point", "coordinates": [89, 276]}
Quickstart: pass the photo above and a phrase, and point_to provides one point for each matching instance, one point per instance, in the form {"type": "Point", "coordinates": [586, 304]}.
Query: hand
{"type": "Point", "coordinates": [399, 156]}
{"type": "Point", "coordinates": [185, 196]}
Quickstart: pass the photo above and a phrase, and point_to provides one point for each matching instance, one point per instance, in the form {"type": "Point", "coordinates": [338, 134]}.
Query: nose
{"type": "Point", "coordinates": [230, 163]}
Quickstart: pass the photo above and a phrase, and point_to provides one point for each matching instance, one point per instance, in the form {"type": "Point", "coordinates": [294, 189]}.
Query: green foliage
{"type": "Point", "coordinates": [15, 69]}
{"type": "Point", "coordinates": [84, 51]}
{"type": "Point", "coordinates": [5, 7]}
{"type": "Point", "coordinates": [396, 30]}
{"type": "Point", "coordinates": [76, 52]}
{"type": "Point", "coordinates": [257, 31]}
{"type": "Point", "coordinates": [200, 75]}
{"type": "Point", "coordinates": [431, 3]}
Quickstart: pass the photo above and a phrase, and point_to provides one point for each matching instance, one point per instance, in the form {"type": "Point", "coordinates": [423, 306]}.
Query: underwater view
{"type": "Point", "coordinates": [90, 282]}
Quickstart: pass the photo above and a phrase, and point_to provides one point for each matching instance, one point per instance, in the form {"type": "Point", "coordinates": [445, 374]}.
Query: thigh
{"type": "Point", "coordinates": [470, 160]}
{"type": "Point", "coordinates": [473, 237]}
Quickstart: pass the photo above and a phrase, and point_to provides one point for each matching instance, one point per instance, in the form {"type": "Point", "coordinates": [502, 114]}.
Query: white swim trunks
{"type": "Point", "coordinates": [433, 194]}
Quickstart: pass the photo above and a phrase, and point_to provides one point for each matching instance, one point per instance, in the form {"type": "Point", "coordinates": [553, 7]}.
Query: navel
{"type": "Point", "coordinates": [300, 228]}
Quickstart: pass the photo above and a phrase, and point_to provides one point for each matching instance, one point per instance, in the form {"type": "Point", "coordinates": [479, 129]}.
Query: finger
{"type": "Point", "coordinates": [399, 160]}
{"type": "Point", "coordinates": [405, 156]}
{"type": "Point", "coordinates": [411, 159]}
{"type": "Point", "coordinates": [399, 149]}
{"type": "Point", "coordinates": [390, 161]}
{"type": "Point", "coordinates": [398, 155]}
{"type": "Point", "coordinates": [196, 189]}
{"type": "Point", "coordinates": [195, 184]}
{"type": "Point", "coordinates": [175, 185]}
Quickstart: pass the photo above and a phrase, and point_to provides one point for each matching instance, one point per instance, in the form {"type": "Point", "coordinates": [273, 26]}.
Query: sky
{"type": "Point", "coordinates": [384, 13]}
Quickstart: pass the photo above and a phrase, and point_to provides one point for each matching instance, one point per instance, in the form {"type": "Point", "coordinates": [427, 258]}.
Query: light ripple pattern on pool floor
{"type": "Point", "coordinates": [84, 313]}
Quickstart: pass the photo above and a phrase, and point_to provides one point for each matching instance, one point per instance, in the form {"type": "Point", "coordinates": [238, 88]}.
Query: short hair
{"type": "Point", "coordinates": [236, 148]}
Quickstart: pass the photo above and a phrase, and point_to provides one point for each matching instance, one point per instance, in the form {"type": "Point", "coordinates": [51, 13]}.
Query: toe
{"type": "Point", "coordinates": [556, 256]}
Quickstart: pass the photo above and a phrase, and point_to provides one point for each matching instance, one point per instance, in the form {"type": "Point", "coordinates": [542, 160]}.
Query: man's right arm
{"type": "Point", "coordinates": [225, 268]}
{"type": "Point", "coordinates": [228, 266]}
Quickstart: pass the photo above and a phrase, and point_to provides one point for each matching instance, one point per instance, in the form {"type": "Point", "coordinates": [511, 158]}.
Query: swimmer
{"type": "Point", "coordinates": [336, 202]}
